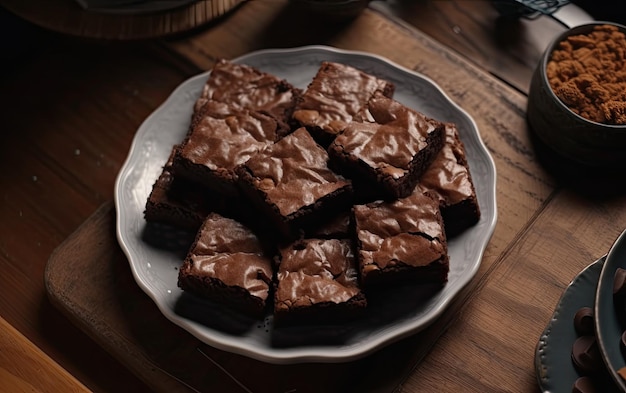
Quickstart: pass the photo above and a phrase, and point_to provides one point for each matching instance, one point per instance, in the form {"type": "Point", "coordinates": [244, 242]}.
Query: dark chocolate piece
{"type": "Point", "coordinates": [584, 385]}
{"type": "Point", "coordinates": [586, 356]}
{"type": "Point", "coordinates": [584, 322]}
{"type": "Point", "coordinates": [619, 295]}
{"type": "Point", "coordinates": [619, 283]}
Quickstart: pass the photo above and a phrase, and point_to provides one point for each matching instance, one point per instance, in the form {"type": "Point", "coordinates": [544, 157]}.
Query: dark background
{"type": "Point", "coordinates": [604, 10]}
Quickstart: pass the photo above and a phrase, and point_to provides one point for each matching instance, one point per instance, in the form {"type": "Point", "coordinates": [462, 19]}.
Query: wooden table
{"type": "Point", "coordinates": [67, 17]}
{"type": "Point", "coordinates": [70, 110]}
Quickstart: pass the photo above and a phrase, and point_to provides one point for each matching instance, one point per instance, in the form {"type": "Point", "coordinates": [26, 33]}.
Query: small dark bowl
{"type": "Point", "coordinates": [585, 142]}
{"type": "Point", "coordinates": [334, 10]}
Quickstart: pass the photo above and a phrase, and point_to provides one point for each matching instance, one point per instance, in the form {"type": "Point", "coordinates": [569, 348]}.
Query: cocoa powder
{"type": "Point", "coordinates": [588, 74]}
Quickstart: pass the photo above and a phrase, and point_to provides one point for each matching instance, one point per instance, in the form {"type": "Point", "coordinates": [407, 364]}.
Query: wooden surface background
{"type": "Point", "coordinates": [25, 368]}
{"type": "Point", "coordinates": [69, 18]}
{"type": "Point", "coordinates": [71, 107]}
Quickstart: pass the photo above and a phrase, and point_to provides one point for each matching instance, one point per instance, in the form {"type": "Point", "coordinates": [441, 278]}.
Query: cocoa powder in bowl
{"type": "Point", "coordinates": [577, 99]}
{"type": "Point", "coordinates": [588, 73]}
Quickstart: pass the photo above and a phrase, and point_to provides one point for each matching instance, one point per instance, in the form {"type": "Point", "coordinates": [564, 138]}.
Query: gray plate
{"type": "Point", "coordinates": [608, 329]}
{"type": "Point", "coordinates": [156, 271]}
{"type": "Point", "coordinates": [553, 365]}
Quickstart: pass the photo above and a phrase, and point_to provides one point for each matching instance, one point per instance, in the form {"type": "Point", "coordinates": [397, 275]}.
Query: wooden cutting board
{"type": "Point", "coordinates": [89, 279]}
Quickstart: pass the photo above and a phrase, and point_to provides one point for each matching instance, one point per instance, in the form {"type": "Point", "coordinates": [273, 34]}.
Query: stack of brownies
{"type": "Point", "coordinates": [305, 201]}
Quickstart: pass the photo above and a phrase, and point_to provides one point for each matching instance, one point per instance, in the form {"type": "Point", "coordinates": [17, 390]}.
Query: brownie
{"type": "Point", "coordinates": [335, 95]}
{"type": "Point", "coordinates": [449, 179]}
{"type": "Point", "coordinates": [245, 87]}
{"type": "Point", "coordinates": [401, 241]}
{"type": "Point", "coordinates": [389, 152]}
{"type": "Point", "coordinates": [317, 283]}
{"type": "Point", "coordinates": [291, 185]}
{"type": "Point", "coordinates": [179, 203]}
{"type": "Point", "coordinates": [219, 139]}
{"type": "Point", "coordinates": [337, 227]}
{"type": "Point", "coordinates": [226, 264]}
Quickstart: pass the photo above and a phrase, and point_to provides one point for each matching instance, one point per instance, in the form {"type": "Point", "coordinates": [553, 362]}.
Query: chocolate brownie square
{"type": "Point", "coordinates": [219, 139]}
{"type": "Point", "coordinates": [291, 185]}
{"type": "Point", "coordinates": [243, 87]}
{"type": "Point", "coordinates": [227, 264]}
{"type": "Point", "coordinates": [335, 95]}
{"type": "Point", "coordinates": [317, 283]}
{"type": "Point", "coordinates": [401, 241]}
{"type": "Point", "coordinates": [449, 180]}
{"type": "Point", "coordinates": [180, 203]}
{"type": "Point", "coordinates": [390, 152]}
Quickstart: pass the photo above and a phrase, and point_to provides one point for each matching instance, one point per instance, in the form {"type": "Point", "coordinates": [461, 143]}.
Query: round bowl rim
{"type": "Point", "coordinates": [579, 29]}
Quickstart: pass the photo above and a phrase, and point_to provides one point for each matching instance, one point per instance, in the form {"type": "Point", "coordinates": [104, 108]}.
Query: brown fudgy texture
{"type": "Point", "coordinates": [336, 94]}
{"type": "Point", "coordinates": [388, 151]}
{"type": "Point", "coordinates": [243, 87]}
{"type": "Point", "coordinates": [219, 139]}
{"type": "Point", "coordinates": [291, 185]}
{"type": "Point", "coordinates": [295, 217]}
{"type": "Point", "coordinates": [180, 203]}
{"type": "Point", "coordinates": [401, 241]}
{"type": "Point", "coordinates": [226, 264]}
{"type": "Point", "coordinates": [449, 180]}
{"type": "Point", "coordinates": [317, 283]}
{"type": "Point", "coordinates": [337, 227]}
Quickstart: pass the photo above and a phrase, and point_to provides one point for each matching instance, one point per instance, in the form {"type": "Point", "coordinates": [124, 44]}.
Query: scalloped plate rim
{"type": "Point", "coordinates": [487, 198]}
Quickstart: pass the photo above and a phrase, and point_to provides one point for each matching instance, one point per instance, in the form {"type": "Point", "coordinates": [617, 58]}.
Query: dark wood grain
{"type": "Point", "coordinates": [506, 47]}
{"type": "Point", "coordinates": [114, 311]}
{"type": "Point", "coordinates": [69, 114]}
{"type": "Point", "coordinates": [68, 17]}
{"type": "Point", "coordinates": [499, 112]}
{"type": "Point", "coordinates": [24, 367]}
{"type": "Point", "coordinates": [71, 106]}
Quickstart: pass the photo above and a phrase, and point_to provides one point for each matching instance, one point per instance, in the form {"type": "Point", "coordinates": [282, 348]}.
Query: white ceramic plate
{"type": "Point", "coordinates": [608, 329]}
{"type": "Point", "coordinates": [553, 366]}
{"type": "Point", "coordinates": [156, 271]}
